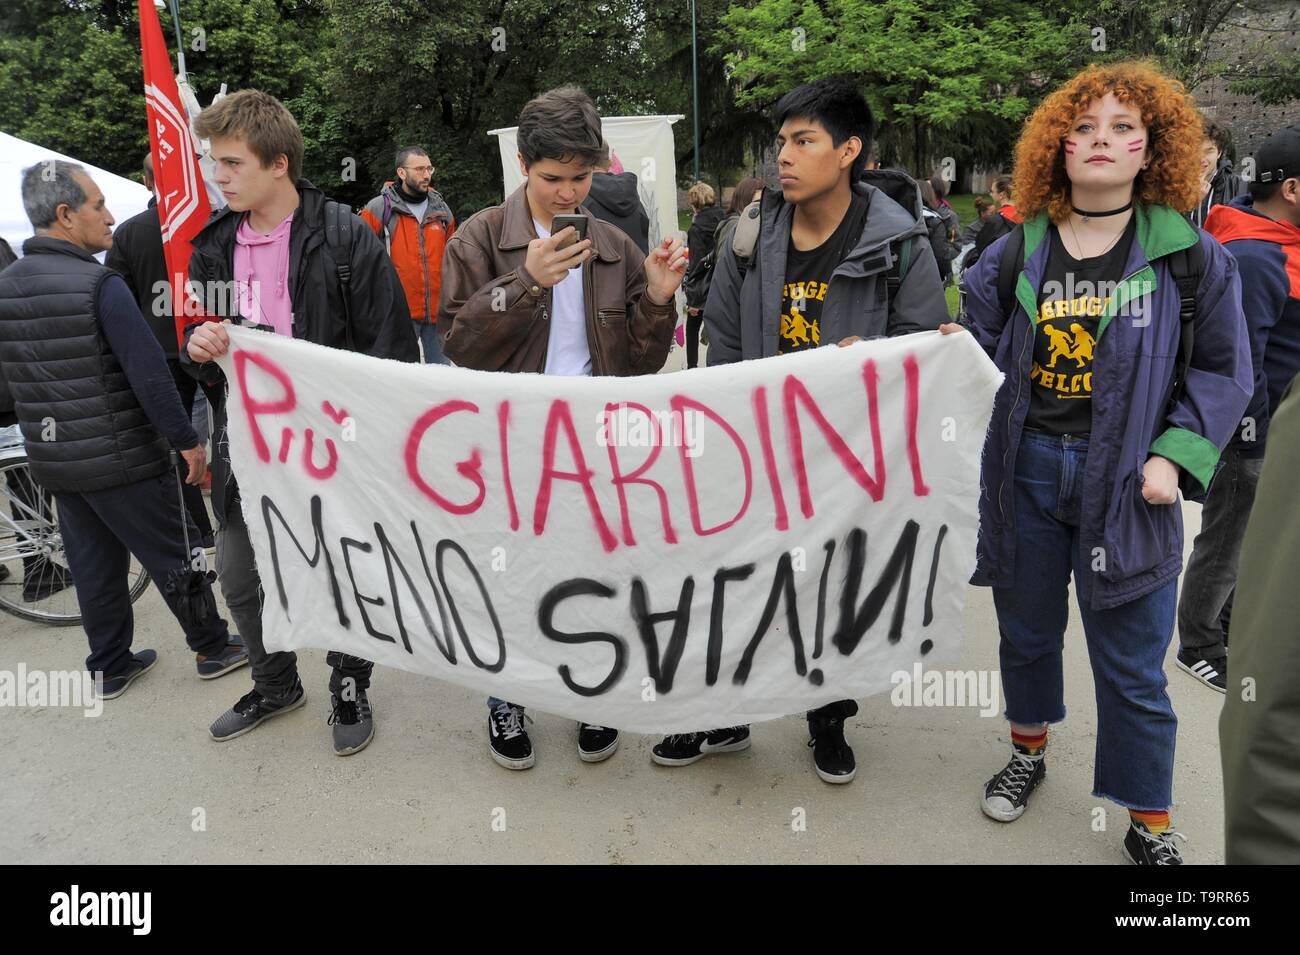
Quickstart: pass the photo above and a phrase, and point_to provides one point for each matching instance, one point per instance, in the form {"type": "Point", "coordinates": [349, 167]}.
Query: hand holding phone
{"type": "Point", "coordinates": [549, 260]}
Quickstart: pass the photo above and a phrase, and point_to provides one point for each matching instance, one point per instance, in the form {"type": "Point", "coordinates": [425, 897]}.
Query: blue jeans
{"type": "Point", "coordinates": [431, 342]}
{"type": "Point", "coordinates": [1136, 726]}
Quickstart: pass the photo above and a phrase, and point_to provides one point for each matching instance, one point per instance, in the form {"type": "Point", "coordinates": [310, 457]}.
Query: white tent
{"type": "Point", "coordinates": [123, 196]}
{"type": "Point", "coordinates": [644, 145]}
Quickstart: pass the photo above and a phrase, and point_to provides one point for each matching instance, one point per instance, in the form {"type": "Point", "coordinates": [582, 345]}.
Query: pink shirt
{"type": "Point", "coordinates": [262, 276]}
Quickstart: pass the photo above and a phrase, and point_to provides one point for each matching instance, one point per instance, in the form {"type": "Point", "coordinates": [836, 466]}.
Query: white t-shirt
{"type": "Point", "coordinates": [567, 351]}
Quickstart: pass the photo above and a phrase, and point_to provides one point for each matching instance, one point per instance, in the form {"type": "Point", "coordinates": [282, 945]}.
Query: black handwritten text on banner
{"type": "Point", "coordinates": [659, 554]}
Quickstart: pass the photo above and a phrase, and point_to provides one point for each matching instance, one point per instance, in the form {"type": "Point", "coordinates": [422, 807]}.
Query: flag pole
{"type": "Point", "coordinates": [174, 6]}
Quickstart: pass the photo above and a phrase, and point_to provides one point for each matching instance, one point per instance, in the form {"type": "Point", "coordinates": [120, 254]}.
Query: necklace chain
{"type": "Point", "coordinates": [1078, 243]}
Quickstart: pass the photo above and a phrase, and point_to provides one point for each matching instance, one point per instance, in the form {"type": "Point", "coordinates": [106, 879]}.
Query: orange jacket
{"type": "Point", "coordinates": [416, 251]}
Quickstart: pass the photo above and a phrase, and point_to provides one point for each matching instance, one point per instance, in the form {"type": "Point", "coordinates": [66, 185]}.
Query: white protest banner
{"type": "Point", "coordinates": [659, 554]}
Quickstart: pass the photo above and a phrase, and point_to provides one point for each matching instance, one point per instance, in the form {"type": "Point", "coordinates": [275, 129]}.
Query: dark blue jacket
{"type": "Point", "coordinates": [1137, 547]}
{"type": "Point", "coordinates": [1268, 258]}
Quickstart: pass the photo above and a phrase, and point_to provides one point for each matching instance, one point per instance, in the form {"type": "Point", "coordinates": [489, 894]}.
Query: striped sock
{"type": "Point", "coordinates": [1033, 744]}
{"type": "Point", "coordinates": [1156, 822]}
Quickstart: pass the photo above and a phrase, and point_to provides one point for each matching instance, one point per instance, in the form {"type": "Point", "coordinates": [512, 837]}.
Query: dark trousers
{"type": "Point", "coordinates": [274, 674]}
{"type": "Point", "coordinates": [1205, 606]}
{"type": "Point", "coordinates": [187, 388]}
{"type": "Point", "coordinates": [693, 325]}
{"type": "Point", "coordinates": [101, 530]}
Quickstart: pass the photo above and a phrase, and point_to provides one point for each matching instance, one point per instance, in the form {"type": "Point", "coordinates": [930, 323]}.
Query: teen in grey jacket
{"type": "Point", "coordinates": [743, 313]}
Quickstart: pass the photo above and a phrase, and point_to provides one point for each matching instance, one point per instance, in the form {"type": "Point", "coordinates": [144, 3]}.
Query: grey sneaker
{"type": "Point", "coordinates": [252, 710]}
{"type": "Point", "coordinates": [353, 722]}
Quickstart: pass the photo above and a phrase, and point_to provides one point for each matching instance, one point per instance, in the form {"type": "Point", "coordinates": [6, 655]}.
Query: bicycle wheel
{"type": "Point", "coordinates": [35, 582]}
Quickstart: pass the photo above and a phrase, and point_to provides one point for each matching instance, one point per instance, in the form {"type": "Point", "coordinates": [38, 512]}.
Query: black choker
{"type": "Point", "coordinates": [1101, 215]}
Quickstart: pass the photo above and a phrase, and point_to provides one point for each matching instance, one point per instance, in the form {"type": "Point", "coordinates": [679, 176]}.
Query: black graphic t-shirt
{"type": "Point", "coordinates": [808, 276]}
{"type": "Point", "coordinates": [1071, 301]}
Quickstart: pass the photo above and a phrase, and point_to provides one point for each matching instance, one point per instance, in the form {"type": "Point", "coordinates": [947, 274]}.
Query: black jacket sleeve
{"type": "Point", "coordinates": [381, 319]}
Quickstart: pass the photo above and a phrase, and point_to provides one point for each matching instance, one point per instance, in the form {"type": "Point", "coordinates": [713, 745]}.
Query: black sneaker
{"type": "Point", "coordinates": [508, 741]}
{"type": "Point", "coordinates": [252, 710]}
{"type": "Point", "coordinates": [832, 755]}
{"type": "Point", "coordinates": [141, 663]}
{"type": "Point", "coordinates": [44, 578]}
{"type": "Point", "coordinates": [1006, 796]}
{"type": "Point", "coordinates": [353, 722]}
{"type": "Point", "coordinates": [1143, 848]}
{"type": "Point", "coordinates": [1212, 671]}
{"type": "Point", "coordinates": [596, 743]}
{"type": "Point", "coordinates": [682, 749]}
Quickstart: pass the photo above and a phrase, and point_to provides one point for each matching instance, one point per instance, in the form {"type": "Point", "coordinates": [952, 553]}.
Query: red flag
{"type": "Point", "coordinates": [183, 207]}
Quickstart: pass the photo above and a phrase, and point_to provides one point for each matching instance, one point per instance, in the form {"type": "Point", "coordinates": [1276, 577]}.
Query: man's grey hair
{"type": "Point", "coordinates": [407, 153]}
{"type": "Point", "coordinates": [48, 185]}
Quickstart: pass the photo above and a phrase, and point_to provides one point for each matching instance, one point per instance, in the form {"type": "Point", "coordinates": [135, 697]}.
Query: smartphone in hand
{"type": "Point", "coordinates": [579, 223]}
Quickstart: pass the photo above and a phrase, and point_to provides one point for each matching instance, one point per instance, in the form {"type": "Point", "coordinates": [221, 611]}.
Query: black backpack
{"type": "Point", "coordinates": [1186, 265]}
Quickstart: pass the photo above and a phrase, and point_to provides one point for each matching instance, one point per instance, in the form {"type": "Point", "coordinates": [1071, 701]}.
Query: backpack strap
{"type": "Point", "coordinates": [1010, 265]}
{"type": "Point", "coordinates": [1187, 266]}
{"type": "Point", "coordinates": [745, 238]}
{"type": "Point", "coordinates": [338, 239]}
{"type": "Point", "coordinates": [387, 218]}
{"type": "Point", "coordinates": [898, 271]}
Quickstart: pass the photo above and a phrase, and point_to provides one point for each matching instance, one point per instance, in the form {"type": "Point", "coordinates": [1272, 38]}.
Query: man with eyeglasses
{"type": "Point", "coordinates": [415, 223]}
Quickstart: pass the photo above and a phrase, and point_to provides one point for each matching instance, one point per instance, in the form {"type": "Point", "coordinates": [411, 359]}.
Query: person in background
{"type": "Point", "coordinates": [614, 198]}
{"type": "Point", "coordinates": [705, 218]}
{"type": "Point", "coordinates": [942, 187]}
{"type": "Point", "coordinates": [937, 227]}
{"type": "Point", "coordinates": [1262, 231]}
{"type": "Point", "coordinates": [100, 415]}
{"type": "Point", "coordinates": [983, 209]}
{"type": "Point", "coordinates": [995, 226]}
{"type": "Point", "coordinates": [1219, 184]}
{"type": "Point", "coordinates": [746, 191]}
{"type": "Point", "coordinates": [137, 256]}
{"type": "Point", "coordinates": [414, 223]}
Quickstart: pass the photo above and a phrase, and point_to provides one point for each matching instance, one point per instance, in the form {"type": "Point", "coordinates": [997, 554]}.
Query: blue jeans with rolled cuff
{"type": "Point", "coordinates": [1136, 726]}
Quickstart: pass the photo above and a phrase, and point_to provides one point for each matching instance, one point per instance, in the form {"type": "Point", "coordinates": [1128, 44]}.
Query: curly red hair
{"type": "Point", "coordinates": [1173, 125]}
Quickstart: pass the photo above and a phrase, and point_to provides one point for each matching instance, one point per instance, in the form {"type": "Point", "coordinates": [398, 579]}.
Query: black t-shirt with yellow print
{"type": "Point", "coordinates": [1071, 301]}
{"type": "Point", "coordinates": [808, 277]}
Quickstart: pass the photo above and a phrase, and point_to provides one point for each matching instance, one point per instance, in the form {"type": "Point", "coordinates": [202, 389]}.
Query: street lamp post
{"type": "Point", "coordinates": [695, 92]}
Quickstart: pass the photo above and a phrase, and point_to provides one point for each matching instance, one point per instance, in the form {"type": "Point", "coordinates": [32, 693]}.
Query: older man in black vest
{"type": "Point", "coordinates": [98, 411]}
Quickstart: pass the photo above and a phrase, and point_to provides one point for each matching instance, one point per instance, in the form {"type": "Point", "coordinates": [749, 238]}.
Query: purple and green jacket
{"type": "Point", "coordinates": [1137, 547]}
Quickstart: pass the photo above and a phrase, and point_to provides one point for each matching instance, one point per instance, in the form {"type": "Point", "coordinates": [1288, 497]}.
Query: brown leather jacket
{"type": "Point", "coordinates": [628, 334]}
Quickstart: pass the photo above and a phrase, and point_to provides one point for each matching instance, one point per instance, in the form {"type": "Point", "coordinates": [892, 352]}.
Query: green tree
{"type": "Point", "coordinates": [944, 77]}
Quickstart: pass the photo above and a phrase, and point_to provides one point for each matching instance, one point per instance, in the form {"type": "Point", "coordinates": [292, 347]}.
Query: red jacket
{"type": "Point", "coordinates": [416, 250]}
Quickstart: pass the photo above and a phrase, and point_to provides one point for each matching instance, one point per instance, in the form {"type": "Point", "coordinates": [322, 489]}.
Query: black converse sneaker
{"type": "Point", "coordinates": [682, 749]}
{"type": "Point", "coordinates": [508, 741]}
{"type": "Point", "coordinates": [1006, 796]}
{"type": "Point", "coordinates": [596, 743]}
{"type": "Point", "coordinates": [1212, 671]}
{"type": "Point", "coordinates": [832, 755]}
{"type": "Point", "coordinates": [1141, 847]}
